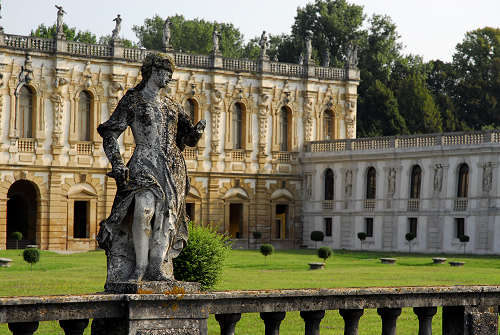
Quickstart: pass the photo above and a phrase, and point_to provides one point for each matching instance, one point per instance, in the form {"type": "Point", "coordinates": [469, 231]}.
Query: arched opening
{"type": "Point", "coordinates": [22, 202]}
{"type": "Point", "coordinates": [371, 183]}
{"type": "Point", "coordinates": [83, 118]}
{"type": "Point", "coordinates": [328, 184]}
{"type": "Point", "coordinates": [191, 109]}
{"type": "Point", "coordinates": [24, 115]}
{"type": "Point", "coordinates": [328, 125]}
{"type": "Point", "coordinates": [415, 182]}
{"type": "Point", "coordinates": [463, 181]}
{"type": "Point", "coordinates": [237, 126]}
{"type": "Point", "coordinates": [284, 122]}
{"type": "Point", "coordinates": [282, 226]}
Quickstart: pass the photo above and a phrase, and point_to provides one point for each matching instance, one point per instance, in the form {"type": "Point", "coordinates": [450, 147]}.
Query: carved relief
{"type": "Point", "coordinates": [115, 89]}
{"type": "Point", "coordinates": [263, 121]}
{"type": "Point", "coordinates": [350, 118]}
{"type": "Point", "coordinates": [217, 106]}
{"type": "Point", "coordinates": [308, 118]}
{"type": "Point", "coordinates": [438, 178]}
{"type": "Point", "coordinates": [58, 102]}
{"type": "Point", "coordinates": [487, 177]}
{"type": "Point", "coordinates": [348, 184]}
{"type": "Point", "coordinates": [391, 181]}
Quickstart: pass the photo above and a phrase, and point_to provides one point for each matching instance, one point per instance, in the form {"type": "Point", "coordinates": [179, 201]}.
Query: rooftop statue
{"type": "Point", "coordinates": [147, 226]}
{"type": "Point", "coordinates": [118, 27]}
{"type": "Point", "coordinates": [167, 34]}
{"type": "Point", "coordinates": [59, 22]}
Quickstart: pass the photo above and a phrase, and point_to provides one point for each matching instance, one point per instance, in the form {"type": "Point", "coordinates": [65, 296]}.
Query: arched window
{"type": "Point", "coordinates": [463, 180]}
{"type": "Point", "coordinates": [328, 125]}
{"type": "Point", "coordinates": [283, 126]}
{"type": "Point", "coordinates": [328, 184]}
{"type": "Point", "coordinates": [190, 108]}
{"type": "Point", "coordinates": [371, 183]}
{"type": "Point", "coordinates": [25, 113]}
{"type": "Point", "coordinates": [415, 181]}
{"type": "Point", "coordinates": [237, 120]}
{"type": "Point", "coordinates": [83, 117]}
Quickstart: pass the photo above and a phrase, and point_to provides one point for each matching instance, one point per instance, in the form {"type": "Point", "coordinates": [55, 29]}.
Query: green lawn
{"type": "Point", "coordinates": [247, 269]}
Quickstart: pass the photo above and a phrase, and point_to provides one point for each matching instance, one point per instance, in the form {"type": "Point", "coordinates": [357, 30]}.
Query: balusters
{"type": "Point", "coordinates": [23, 328]}
{"type": "Point", "coordinates": [425, 315]}
{"type": "Point", "coordinates": [312, 320]}
{"type": "Point", "coordinates": [272, 321]}
{"type": "Point", "coordinates": [227, 322]}
{"type": "Point", "coordinates": [389, 317]}
{"type": "Point", "coordinates": [74, 327]}
{"type": "Point", "coordinates": [351, 320]}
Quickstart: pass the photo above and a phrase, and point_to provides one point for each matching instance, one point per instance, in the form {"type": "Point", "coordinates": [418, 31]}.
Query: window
{"type": "Point", "coordinates": [415, 181]}
{"type": "Point", "coordinates": [80, 219]}
{"type": "Point", "coordinates": [459, 227]}
{"type": "Point", "coordinates": [328, 184]}
{"type": "Point", "coordinates": [369, 227]}
{"type": "Point", "coordinates": [328, 125]}
{"type": "Point", "coordinates": [84, 116]}
{"type": "Point", "coordinates": [237, 126]}
{"type": "Point", "coordinates": [412, 226]}
{"type": "Point", "coordinates": [328, 226]}
{"type": "Point", "coordinates": [371, 183]}
{"type": "Point", "coordinates": [283, 126]}
{"type": "Point", "coordinates": [463, 181]}
{"type": "Point", "coordinates": [190, 109]}
{"type": "Point", "coordinates": [190, 210]}
{"type": "Point", "coordinates": [24, 116]}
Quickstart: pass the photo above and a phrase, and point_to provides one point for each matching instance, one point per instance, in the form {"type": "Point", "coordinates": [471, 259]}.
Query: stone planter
{"type": "Point", "coordinates": [316, 266]}
{"type": "Point", "coordinates": [439, 260]}
{"type": "Point", "coordinates": [388, 260]}
{"type": "Point", "coordinates": [5, 262]}
{"type": "Point", "coordinates": [456, 263]}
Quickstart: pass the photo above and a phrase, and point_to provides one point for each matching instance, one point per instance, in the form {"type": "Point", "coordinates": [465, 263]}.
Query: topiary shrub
{"type": "Point", "coordinates": [324, 253]}
{"type": "Point", "coordinates": [18, 236]}
{"type": "Point", "coordinates": [266, 249]}
{"type": "Point", "coordinates": [257, 235]}
{"type": "Point", "coordinates": [362, 237]}
{"type": "Point", "coordinates": [202, 259]}
{"type": "Point", "coordinates": [317, 236]}
{"type": "Point", "coordinates": [464, 239]}
{"type": "Point", "coordinates": [31, 256]}
{"type": "Point", "coordinates": [410, 237]}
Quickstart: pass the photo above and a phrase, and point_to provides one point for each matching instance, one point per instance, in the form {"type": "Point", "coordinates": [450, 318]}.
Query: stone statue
{"type": "Point", "coordinates": [165, 39]}
{"type": "Point", "coordinates": [59, 24]}
{"type": "Point", "coordinates": [487, 177]}
{"type": "Point", "coordinates": [326, 58]}
{"type": "Point", "coordinates": [215, 39]}
{"type": "Point", "coordinates": [264, 45]}
{"type": "Point", "coordinates": [391, 181]}
{"type": "Point", "coordinates": [348, 183]}
{"type": "Point", "coordinates": [147, 226]}
{"type": "Point", "coordinates": [352, 55]}
{"type": "Point", "coordinates": [301, 59]}
{"type": "Point", "coordinates": [438, 177]}
{"type": "Point", "coordinates": [118, 27]}
{"type": "Point", "coordinates": [308, 43]}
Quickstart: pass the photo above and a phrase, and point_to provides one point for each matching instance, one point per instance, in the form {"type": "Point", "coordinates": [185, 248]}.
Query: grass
{"type": "Point", "coordinates": [248, 269]}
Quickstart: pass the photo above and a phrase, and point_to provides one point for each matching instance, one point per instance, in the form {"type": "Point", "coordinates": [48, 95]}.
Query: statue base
{"type": "Point", "coordinates": [153, 287]}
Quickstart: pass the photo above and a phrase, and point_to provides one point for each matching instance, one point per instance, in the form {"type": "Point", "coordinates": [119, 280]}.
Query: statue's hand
{"type": "Point", "coordinates": [200, 126]}
{"type": "Point", "coordinates": [120, 174]}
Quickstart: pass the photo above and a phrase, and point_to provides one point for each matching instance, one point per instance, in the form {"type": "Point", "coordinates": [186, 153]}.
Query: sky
{"type": "Point", "coordinates": [430, 28]}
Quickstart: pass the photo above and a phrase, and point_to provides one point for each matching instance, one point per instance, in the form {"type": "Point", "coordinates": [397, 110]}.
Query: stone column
{"type": "Point", "coordinates": [74, 327]}
{"type": "Point", "coordinates": [23, 328]}
{"type": "Point", "coordinates": [425, 315]}
{"type": "Point", "coordinates": [312, 320]}
{"type": "Point", "coordinates": [351, 320]}
{"type": "Point", "coordinates": [227, 322]}
{"type": "Point", "coordinates": [272, 320]}
{"type": "Point", "coordinates": [389, 317]}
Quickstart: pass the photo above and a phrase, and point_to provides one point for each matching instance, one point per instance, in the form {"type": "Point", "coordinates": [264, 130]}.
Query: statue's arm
{"type": "Point", "coordinates": [110, 131]}
{"type": "Point", "coordinates": [187, 133]}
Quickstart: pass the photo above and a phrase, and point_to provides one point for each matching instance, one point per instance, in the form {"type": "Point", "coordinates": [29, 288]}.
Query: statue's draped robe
{"type": "Point", "coordinates": [161, 129]}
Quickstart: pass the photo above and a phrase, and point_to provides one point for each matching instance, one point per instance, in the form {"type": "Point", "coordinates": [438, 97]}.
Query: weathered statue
{"type": "Point", "coordinates": [264, 45]}
{"type": "Point", "coordinates": [308, 43]}
{"type": "Point", "coordinates": [118, 27]}
{"type": "Point", "coordinates": [215, 39]}
{"type": "Point", "coordinates": [165, 38]}
{"type": "Point", "coordinates": [59, 22]}
{"type": "Point", "coordinates": [147, 226]}
{"type": "Point", "coordinates": [352, 55]}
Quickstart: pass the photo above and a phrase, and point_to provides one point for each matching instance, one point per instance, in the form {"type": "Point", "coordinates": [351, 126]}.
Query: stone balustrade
{"type": "Point", "coordinates": [465, 310]}
{"type": "Point", "coordinates": [116, 50]}
{"type": "Point", "coordinates": [403, 142]}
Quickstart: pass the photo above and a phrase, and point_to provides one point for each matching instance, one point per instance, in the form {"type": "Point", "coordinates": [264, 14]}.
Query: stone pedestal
{"type": "Point", "coordinates": [153, 287]}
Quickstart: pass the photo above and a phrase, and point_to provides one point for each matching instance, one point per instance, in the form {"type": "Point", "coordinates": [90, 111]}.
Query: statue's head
{"type": "Point", "coordinates": [155, 62]}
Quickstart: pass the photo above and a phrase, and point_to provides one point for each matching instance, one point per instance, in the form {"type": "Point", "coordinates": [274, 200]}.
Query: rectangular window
{"type": "Point", "coordinates": [80, 219]}
{"type": "Point", "coordinates": [328, 226]}
{"type": "Point", "coordinates": [369, 227]}
{"type": "Point", "coordinates": [459, 227]}
{"type": "Point", "coordinates": [412, 226]}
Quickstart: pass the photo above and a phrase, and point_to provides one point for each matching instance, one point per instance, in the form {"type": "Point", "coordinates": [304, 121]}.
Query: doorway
{"type": "Point", "coordinates": [281, 229]}
{"type": "Point", "coordinates": [236, 220]}
{"type": "Point", "coordinates": [22, 202]}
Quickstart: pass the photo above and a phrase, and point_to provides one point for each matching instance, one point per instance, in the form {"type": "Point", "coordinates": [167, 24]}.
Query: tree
{"type": "Point", "coordinates": [317, 236]}
{"type": "Point", "coordinates": [410, 237]}
{"type": "Point", "coordinates": [324, 253]}
{"type": "Point", "coordinates": [70, 33]}
{"type": "Point", "coordinates": [464, 239]}
{"type": "Point", "coordinates": [31, 256]}
{"type": "Point", "coordinates": [362, 238]}
{"type": "Point", "coordinates": [18, 236]}
{"type": "Point", "coordinates": [266, 249]}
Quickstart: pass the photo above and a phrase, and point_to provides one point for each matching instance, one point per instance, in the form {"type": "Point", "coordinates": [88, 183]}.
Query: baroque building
{"type": "Point", "coordinates": [245, 172]}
